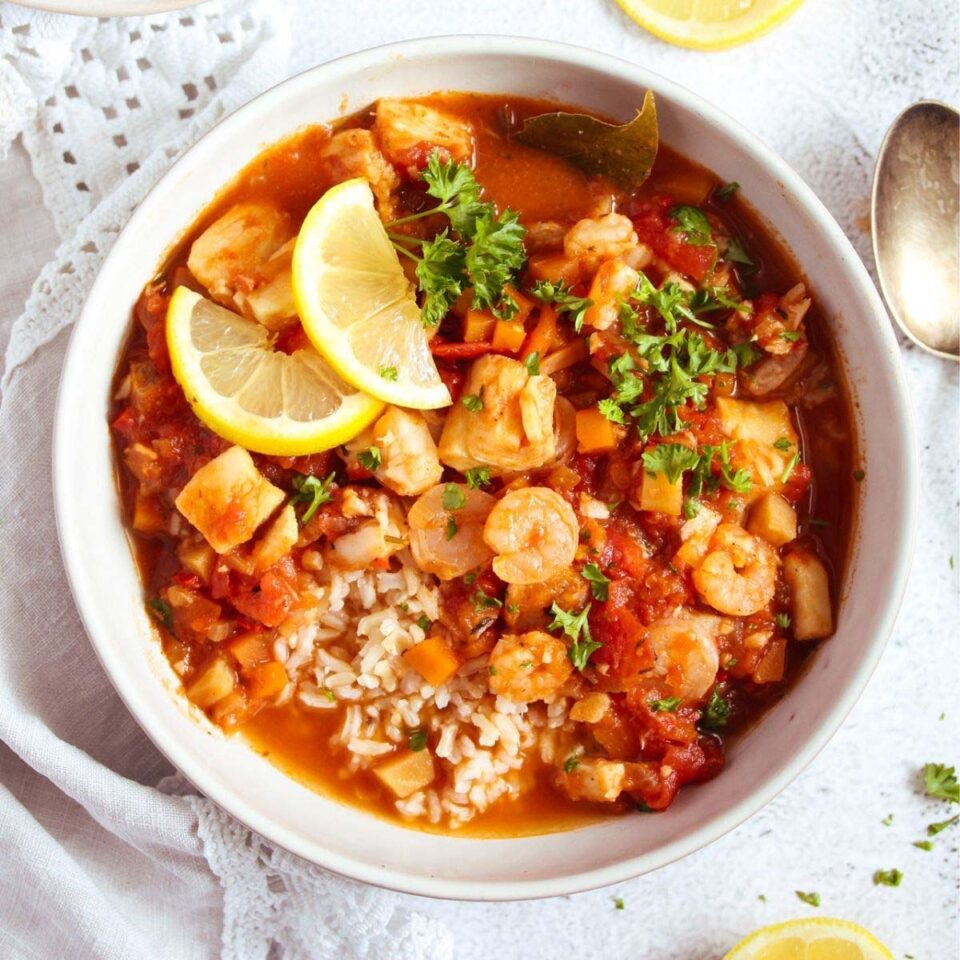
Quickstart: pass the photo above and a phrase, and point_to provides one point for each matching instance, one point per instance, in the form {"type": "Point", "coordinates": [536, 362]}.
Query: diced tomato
{"type": "Point", "coordinates": [690, 763]}
{"type": "Point", "coordinates": [125, 423]}
{"type": "Point", "coordinates": [655, 228]}
{"type": "Point", "coordinates": [621, 634]}
{"type": "Point", "coordinates": [626, 554]}
{"type": "Point", "coordinates": [268, 601]}
{"type": "Point", "coordinates": [799, 482]}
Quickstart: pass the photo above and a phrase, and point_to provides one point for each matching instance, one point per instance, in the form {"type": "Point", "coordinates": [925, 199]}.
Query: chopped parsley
{"type": "Point", "coordinates": [546, 291]}
{"type": "Point", "coordinates": [424, 622]}
{"type": "Point", "coordinates": [483, 601]}
{"type": "Point", "coordinates": [717, 711]}
{"type": "Point", "coordinates": [618, 903]}
{"type": "Point", "coordinates": [923, 845]}
{"type": "Point", "coordinates": [312, 491]}
{"type": "Point", "coordinates": [782, 620]}
{"type": "Point", "coordinates": [940, 781]}
{"type": "Point", "coordinates": [417, 740]}
{"type": "Point", "coordinates": [703, 478]}
{"type": "Point", "coordinates": [887, 878]}
{"type": "Point", "coordinates": [576, 627]}
{"type": "Point", "coordinates": [162, 613]}
{"type": "Point", "coordinates": [473, 402]}
{"type": "Point", "coordinates": [599, 584]}
{"type": "Point", "coordinates": [611, 411]}
{"type": "Point", "coordinates": [477, 477]}
{"type": "Point", "coordinates": [791, 336]}
{"type": "Point", "coordinates": [813, 899]}
{"type": "Point", "coordinates": [670, 459]}
{"type": "Point", "coordinates": [571, 763]}
{"type": "Point", "coordinates": [451, 530]}
{"type": "Point", "coordinates": [887, 820]}
{"type": "Point", "coordinates": [666, 705]}
{"type": "Point", "coordinates": [389, 373]}
{"type": "Point", "coordinates": [694, 223]}
{"type": "Point", "coordinates": [859, 475]}
{"type": "Point", "coordinates": [782, 443]}
{"type": "Point", "coordinates": [532, 362]}
{"type": "Point", "coordinates": [724, 193]}
{"type": "Point", "coordinates": [790, 467]}
{"type": "Point", "coordinates": [370, 459]}
{"type": "Point", "coordinates": [737, 254]}
{"type": "Point", "coordinates": [690, 508]}
{"type": "Point", "coordinates": [453, 497]}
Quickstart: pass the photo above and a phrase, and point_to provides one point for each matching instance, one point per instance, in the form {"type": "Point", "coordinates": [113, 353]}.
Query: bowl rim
{"type": "Point", "coordinates": [903, 526]}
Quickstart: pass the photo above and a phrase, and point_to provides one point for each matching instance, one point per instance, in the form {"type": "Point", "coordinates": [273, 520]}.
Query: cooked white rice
{"type": "Point", "coordinates": [346, 654]}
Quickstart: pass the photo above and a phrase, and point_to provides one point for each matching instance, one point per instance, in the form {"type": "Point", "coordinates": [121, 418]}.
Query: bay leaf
{"type": "Point", "coordinates": [623, 153]}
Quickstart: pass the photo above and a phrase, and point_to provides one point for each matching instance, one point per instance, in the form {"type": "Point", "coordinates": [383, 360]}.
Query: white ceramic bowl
{"type": "Point", "coordinates": [109, 595]}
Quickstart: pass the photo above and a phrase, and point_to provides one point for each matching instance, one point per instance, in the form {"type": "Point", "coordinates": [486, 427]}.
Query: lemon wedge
{"type": "Point", "coordinates": [356, 304]}
{"type": "Point", "coordinates": [708, 24]}
{"type": "Point", "coordinates": [253, 395]}
{"type": "Point", "coordinates": [816, 938]}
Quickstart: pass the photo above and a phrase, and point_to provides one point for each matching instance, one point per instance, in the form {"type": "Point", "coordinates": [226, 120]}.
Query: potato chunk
{"type": "Point", "coordinates": [590, 709]}
{"type": "Point", "coordinates": [407, 773]}
{"type": "Point", "coordinates": [228, 498]}
{"type": "Point", "coordinates": [216, 682]}
{"type": "Point", "coordinates": [659, 495]}
{"type": "Point", "coordinates": [278, 540]}
{"type": "Point", "coordinates": [403, 126]}
{"type": "Point", "coordinates": [757, 427]}
{"type": "Point", "coordinates": [233, 249]}
{"type": "Point", "coordinates": [809, 585]}
{"type": "Point", "coordinates": [772, 518]}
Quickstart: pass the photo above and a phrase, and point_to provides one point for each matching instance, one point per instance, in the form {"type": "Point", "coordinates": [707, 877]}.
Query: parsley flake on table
{"type": "Point", "coordinates": [934, 828]}
{"type": "Point", "coordinates": [940, 781]}
{"type": "Point", "coordinates": [618, 903]}
{"type": "Point", "coordinates": [599, 584]}
{"type": "Point", "coordinates": [887, 878]}
{"type": "Point", "coordinates": [923, 845]}
{"type": "Point", "coordinates": [887, 820]}
{"type": "Point", "coordinates": [813, 899]}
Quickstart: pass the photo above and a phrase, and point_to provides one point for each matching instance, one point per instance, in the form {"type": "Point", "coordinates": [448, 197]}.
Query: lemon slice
{"type": "Point", "coordinates": [816, 938]}
{"type": "Point", "coordinates": [357, 305]}
{"type": "Point", "coordinates": [253, 395]}
{"type": "Point", "coordinates": [708, 24]}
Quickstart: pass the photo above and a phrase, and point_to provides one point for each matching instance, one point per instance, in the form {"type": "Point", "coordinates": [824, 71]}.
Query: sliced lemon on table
{"type": "Point", "coordinates": [251, 394]}
{"type": "Point", "coordinates": [708, 24]}
{"type": "Point", "coordinates": [356, 304]}
{"type": "Point", "coordinates": [816, 938]}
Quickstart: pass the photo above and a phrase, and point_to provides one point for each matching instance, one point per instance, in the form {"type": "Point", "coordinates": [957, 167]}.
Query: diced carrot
{"type": "Point", "coordinates": [267, 680]}
{"type": "Point", "coordinates": [555, 267]}
{"type": "Point", "coordinates": [251, 648]}
{"type": "Point", "coordinates": [478, 325]}
{"type": "Point", "coordinates": [508, 336]}
{"type": "Point", "coordinates": [545, 336]}
{"type": "Point", "coordinates": [148, 515]}
{"type": "Point", "coordinates": [595, 433]}
{"type": "Point", "coordinates": [433, 660]}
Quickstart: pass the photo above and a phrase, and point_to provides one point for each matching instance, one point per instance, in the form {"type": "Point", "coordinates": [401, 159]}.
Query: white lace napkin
{"type": "Point", "coordinates": [103, 107]}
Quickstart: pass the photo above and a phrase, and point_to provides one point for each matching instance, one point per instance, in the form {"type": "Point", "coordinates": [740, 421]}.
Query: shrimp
{"type": "Point", "coordinates": [534, 533]}
{"type": "Point", "coordinates": [409, 463]}
{"type": "Point", "coordinates": [529, 666]}
{"type": "Point", "coordinates": [449, 542]}
{"type": "Point", "coordinates": [595, 239]}
{"type": "Point", "coordinates": [738, 575]}
{"type": "Point", "coordinates": [611, 282]}
{"type": "Point", "coordinates": [513, 430]}
{"type": "Point", "coordinates": [685, 647]}
{"type": "Point", "coordinates": [405, 128]}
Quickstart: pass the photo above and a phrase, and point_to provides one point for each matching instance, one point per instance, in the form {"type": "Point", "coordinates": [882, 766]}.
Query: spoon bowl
{"type": "Point", "coordinates": [915, 214]}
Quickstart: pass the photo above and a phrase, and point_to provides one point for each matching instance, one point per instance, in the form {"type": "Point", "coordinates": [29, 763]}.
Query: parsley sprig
{"type": "Point", "coordinates": [312, 491]}
{"type": "Point", "coordinates": [480, 249]}
{"type": "Point", "coordinates": [546, 291]}
{"type": "Point", "coordinates": [576, 627]}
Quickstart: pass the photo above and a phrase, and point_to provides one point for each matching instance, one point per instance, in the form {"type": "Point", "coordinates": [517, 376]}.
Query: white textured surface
{"type": "Point", "coordinates": [99, 865]}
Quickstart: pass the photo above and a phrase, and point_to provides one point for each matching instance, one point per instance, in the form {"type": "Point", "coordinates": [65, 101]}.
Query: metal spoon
{"type": "Point", "coordinates": [915, 215]}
